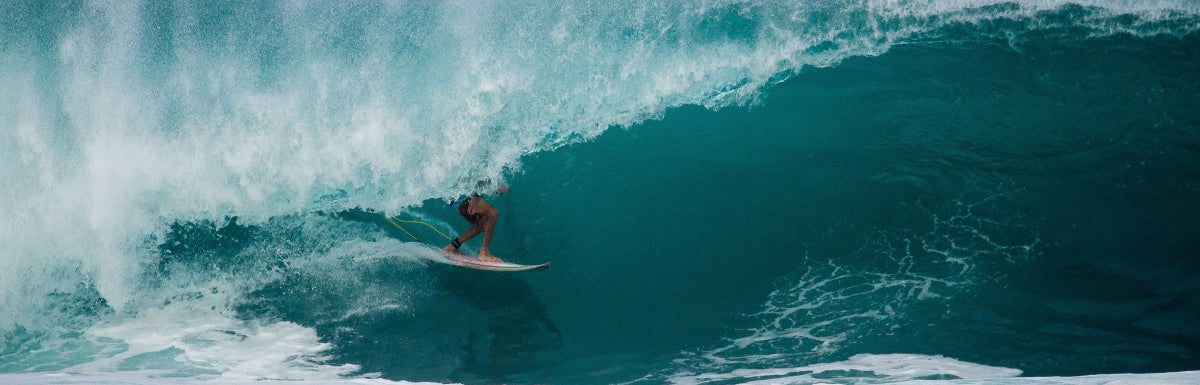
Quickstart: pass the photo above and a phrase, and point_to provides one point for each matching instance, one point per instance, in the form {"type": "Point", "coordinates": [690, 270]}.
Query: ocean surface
{"type": "Point", "coordinates": [729, 192]}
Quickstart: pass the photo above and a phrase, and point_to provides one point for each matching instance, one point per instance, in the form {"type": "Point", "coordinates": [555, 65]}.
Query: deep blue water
{"type": "Point", "coordinates": [851, 193]}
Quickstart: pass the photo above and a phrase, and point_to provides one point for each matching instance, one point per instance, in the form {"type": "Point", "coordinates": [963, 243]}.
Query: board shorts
{"type": "Point", "coordinates": [464, 209]}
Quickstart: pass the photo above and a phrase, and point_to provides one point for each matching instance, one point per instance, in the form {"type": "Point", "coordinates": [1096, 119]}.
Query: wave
{"type": "Point", "coordinates": [898, 277]}
{"type": "Point", "coordinates": [210, 304]}
{"type": "Point", "coordinates": [123, 121]}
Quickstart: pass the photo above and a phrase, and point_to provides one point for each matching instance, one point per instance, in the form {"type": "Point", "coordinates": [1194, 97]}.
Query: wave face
{"type": "Point", "coordinates": [197, 189]}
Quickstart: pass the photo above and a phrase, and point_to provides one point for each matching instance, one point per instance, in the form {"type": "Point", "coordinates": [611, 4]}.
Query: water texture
{"type": "Point", "coordinates": [729, 191]}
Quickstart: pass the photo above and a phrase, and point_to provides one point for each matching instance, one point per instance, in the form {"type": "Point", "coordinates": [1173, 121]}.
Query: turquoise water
{"type": "Point", "coordinates": [858, 192]}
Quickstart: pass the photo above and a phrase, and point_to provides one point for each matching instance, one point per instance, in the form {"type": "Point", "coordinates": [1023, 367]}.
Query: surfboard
{"type": "Point", "coordinates": [474, 263]}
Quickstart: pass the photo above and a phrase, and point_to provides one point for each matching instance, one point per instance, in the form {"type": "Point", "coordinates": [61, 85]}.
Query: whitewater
{"type": "Point", "coordinates": [964, 192]}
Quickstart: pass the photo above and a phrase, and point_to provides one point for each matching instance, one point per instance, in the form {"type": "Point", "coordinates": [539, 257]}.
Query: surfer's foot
{"type": "Point", "coordinates": [450, 249]}
{"type": "Point", "coordinates": [488, 257]}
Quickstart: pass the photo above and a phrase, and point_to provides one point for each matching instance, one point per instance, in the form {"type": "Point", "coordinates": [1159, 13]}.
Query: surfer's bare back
{"type": "Point", "coordinates": [482, 217]}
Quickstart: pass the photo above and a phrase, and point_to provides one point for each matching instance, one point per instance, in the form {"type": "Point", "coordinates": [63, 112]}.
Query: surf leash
{"type": "Point", "coordinates": [393, 221]}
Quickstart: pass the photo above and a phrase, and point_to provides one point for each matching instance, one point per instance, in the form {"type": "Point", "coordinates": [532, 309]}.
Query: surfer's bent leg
{"type": "Point", "coordinates": [483, 218]}
{"type": "Point", "coordinates": [476, 228]}
{"type": "Point", "coordinates": [488, 215]}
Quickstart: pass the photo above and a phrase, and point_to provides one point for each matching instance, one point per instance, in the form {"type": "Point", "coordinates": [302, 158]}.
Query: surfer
{"type": "Point", "coordinates": [482, 217]}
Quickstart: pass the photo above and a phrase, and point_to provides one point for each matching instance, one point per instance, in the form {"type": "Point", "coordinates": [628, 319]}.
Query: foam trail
{"type": "Point", "coordinates": [1177, 378]}
{"type": "Point", "coordinates": [912, 369]}
{"type": "Point", "coordinates": [133, 379]}
{"type": "Point", "coordinates": [827, 307]}
{"type": "Point", "coordinates": [886, 368]}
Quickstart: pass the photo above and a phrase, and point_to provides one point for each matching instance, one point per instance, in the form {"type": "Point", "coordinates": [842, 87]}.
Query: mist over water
{"type": "Point", "coordinates": [725, 189]}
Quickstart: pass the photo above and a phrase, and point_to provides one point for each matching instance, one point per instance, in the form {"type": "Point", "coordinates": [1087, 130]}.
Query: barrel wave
{"type": "Point", "coordinates": [729, 191]}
